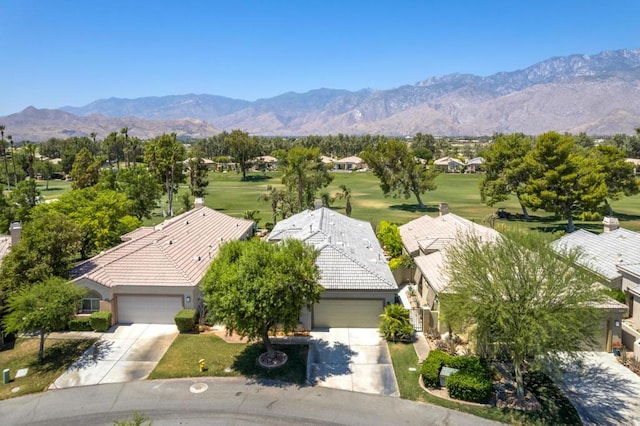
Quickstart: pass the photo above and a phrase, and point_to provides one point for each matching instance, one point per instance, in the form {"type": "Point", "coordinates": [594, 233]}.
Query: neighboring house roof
{"type": "Point", "coordinates": [206, 161]}
{"type": "Point", "coordinates": [445, 161]}
{"type": "Point", "coordinates": [606, 253]}
{"type": "Point", "coordinates": [267, 159]}
{"type": "Point", "coordinates": [176, 252]}
{"type": "Point", "coordinates": [428, 233]}
{"type": "Point", "coordinates": [347, 160]}
{"type": "Point", "coordinates": [350, 256]}
{"type": "Point", "coordinates": [432, 267]}
{"type": "Point", "coordinates": [327, 160]}
{"type": "Point", "coordinates": [635, 161]}
{"type": "Point", "coordinates": [475, 161]}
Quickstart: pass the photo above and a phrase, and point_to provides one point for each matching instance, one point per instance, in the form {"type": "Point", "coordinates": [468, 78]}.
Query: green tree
{"type": "Point", "coordinates": [46, 169]}
{"type": "Point", "coordinates": [49, 244]}
{"type": "Point", "coordinates": [619, 175]}
{"type": "Point", "coordinates": [389, 236]}
{"type": "Point", "coordinates": [395, 323]}
{"type": "Point", "coordinates": [102, 217]}
{"type": "Point", "coordinates": [304, 175]}
{"type": "Point", "coordinates": [243, 148]}
{"type": "Point", "coordinates": [142, 189]}
{"type": "Point", "coordinates": [346, 195]}
{"type": "Point", "coordinates": [42, 308]}
{"type": "Point", "coordinates": [197, 171]}
{"type": "Point", "coordinates": [506, 170]}
{"type": "Point", "coordinates": [399, 171]}
{"type": "Point", "coordinates": [278, 199]}
{"type": "Point", "coordinates": [164, 156]}
{"type": "Point", "coordinates": [86, 169]}
{"type": "Point", "coordinates": [30, 150]}
{"type": "Point", "coordinates": [562, 179]}
{"type": "Point", "coordinates": [23, 199]}
{"type": "Point", "coordinates": [253, 286]}
{"type": "Point", "coordinates": [3, 147]}
{"type": "Point", "coordinates": [521, 298]}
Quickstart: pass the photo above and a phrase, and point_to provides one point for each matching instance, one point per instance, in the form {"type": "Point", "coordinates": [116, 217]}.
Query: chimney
{"type": "Point", "coordinates": [443, 209]}
{"type": "Point", "coordinates": [317, 203]}
{"type": "Point", "coordinates": [610, 223]}
{"type": "Point", "coordinates": [15, 230]}
{"type": "Point", "coordinates": [199, 202]}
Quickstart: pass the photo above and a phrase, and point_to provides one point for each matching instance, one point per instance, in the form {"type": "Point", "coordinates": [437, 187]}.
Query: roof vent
{"type": "Point", "coordinates": [170, 242]}
{"type": "Point", "coordinates": [196, 258]}
{"type": "Point", "coordinates": [186, 222]}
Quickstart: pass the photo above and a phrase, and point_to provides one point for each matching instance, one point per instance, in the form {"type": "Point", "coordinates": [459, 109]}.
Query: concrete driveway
{"type": "Point", "coordinates": [354, 359]}
{"type": "Point", "coordinates": [603, 391]}
{"type": "Point", "coordinates": [124, 354]}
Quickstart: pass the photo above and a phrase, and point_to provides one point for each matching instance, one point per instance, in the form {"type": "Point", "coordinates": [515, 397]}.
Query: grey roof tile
{"type": "Point", "coordinates": [350, 256]}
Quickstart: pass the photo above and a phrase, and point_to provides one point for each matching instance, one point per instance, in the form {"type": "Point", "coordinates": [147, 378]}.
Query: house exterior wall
{"type": "Point", "coordinates": [185, 291]}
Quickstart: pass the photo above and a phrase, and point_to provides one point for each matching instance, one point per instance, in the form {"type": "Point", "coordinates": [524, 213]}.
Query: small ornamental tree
{"type": "Point", "coordinates": [42, 308]}
{"type": "Point", "coordinates": [252, 287]}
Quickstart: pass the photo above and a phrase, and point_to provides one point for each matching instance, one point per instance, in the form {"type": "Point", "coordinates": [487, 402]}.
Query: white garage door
{"type": "Point", "coordinates": [148, 309]}
{"type": "Point", "coordinates": [347, 313]}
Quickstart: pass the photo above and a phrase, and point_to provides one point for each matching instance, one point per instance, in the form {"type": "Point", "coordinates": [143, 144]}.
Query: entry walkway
{"type": "Point", "coordinates": [355, 359]}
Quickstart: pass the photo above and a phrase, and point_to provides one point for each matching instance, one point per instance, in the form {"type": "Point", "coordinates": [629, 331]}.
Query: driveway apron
{"type": "Point", "coordinates": [124, 354]}
{"type": "Point", "coordinates": [354, 359]}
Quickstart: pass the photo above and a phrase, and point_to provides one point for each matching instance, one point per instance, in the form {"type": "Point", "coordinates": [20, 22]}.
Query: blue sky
{"type": "Point", "coordinates": [55, 53]}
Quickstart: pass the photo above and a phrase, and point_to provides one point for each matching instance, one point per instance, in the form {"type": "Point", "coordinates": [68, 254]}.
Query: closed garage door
{"type": "Point", "coordinates": [148, 309]}
{"type": "Point", "coordinates": [347, 313]}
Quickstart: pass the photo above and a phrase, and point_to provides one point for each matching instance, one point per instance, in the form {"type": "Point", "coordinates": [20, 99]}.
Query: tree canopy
{"type": "Point", "coordinates": [521, 298]}
{"type": "Point", "coordinates": [164, 156]}
{"type": "Point", "coordinates": [252, 287]}
{"type": "Point", "coordinates": [304, 174]}
{"type": "Point", "coordinates": [243, 148]}
{"type": "Point", "coordinates": [43, 307]}
{"type": "Point", "coordinates": [399, 171]}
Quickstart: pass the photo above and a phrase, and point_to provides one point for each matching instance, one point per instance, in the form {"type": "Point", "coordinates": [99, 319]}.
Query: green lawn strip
{"type": "Point", "coordinates": [556, 409]}
{"type": "Point", "coordinates": [58, 355]}
{"type": "Point", "coordinates": [227, 359]}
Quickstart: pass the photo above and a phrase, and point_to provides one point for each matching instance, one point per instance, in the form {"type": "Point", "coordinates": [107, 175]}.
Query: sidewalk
{"type": "Point", "coordinates": [421, 346]}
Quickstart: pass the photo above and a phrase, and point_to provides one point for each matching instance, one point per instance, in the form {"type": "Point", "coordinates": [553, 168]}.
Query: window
{"type": "Point", "coordinates": [90, 304]}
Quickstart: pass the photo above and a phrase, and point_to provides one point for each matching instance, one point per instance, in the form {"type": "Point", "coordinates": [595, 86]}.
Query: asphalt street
{"type": "Point", "coordinates": [214, 401]}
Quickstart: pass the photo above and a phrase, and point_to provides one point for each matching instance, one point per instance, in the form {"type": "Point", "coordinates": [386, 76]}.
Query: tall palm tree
{"type": "Point", "coordinates": [3, 146]}
{"type": "Point", "coordinates": [30, 150]}
{"type": "Point", "coordinates": [93, 136]}
{"type": "Point", "coordinates": [346, 194]}
{"type": "Point", "coordinates": [13, 160]}
{"type": "Point", "coordinates": [125, 132]}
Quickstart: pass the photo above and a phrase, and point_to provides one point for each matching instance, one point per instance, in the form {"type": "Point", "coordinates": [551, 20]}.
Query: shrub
{"type": "Point", "coordinates": [469, 385]}
{"type": "Point", "coordinates": [80, 324]}
{"type": "Point", "coordinates": [389, 236]}
{"type": "Point", "coordinates": [100, 321]}
{"type": "Point", "coordinates": [186, 320]}
{"type": "Point", "coordinates": [470, 364]}
{"type": "Point", "coordinates": [395, 323]}
{"type": "Point", "coordinates": [431, 367]}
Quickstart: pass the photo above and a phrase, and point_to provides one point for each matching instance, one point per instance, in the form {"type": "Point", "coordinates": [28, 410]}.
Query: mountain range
{"type": "Point", "coordinates": [597, 94]}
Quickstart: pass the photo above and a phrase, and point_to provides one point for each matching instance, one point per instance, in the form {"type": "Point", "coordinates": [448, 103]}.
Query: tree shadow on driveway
{"type": "Point", "coordinates": [600, 394]}
{"type": "Point", "coordinates": [330, 359]}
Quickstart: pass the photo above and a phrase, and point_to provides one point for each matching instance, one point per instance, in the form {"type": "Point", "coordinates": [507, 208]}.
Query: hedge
{"type": "Point", "coordinates": [472, 383]}
{"type": "Point", "coordinates": [186, 320]}
{"type": "Point", "coordinates": [100, 321]}
{"type": "Point", "coordinates": [472, 386]}
{"type": "Point", "coordinates": [80, 324]}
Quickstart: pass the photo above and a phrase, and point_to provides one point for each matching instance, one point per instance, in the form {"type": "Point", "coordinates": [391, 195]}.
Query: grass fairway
{"type": "Point", "coordinates": [556, 408]}
{"type": "Point", "coordinates": [230, 195]}
{"type": "Point", "coordinates": [227, 359]}
{"type": "Point", "coordinates": [58, 355]}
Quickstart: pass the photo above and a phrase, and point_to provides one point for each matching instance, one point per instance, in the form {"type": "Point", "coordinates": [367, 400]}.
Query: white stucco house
{"type": "Point", "coordinates": [157, 270]}
{"type": "Point", "coordinates": [349, 164]}
{"type": "Point", "coordinates": [354, 272]}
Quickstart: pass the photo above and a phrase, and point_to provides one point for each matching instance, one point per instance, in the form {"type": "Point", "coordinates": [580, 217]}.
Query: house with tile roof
{"type": "Point", "coordinates": [614, 255]}
{"type": "Point", "coordinates": [426, 239]}
{"type": "Point", "coordinates": [349, 164]}
{"type": "Point", "coordinates": [448, 164]}
{"type": "Point", "coordinates": [354, 271]}
{"type": "Point", "coordinates": [157, 270]}
{"type": "Point", "coordinates": [6, 241]}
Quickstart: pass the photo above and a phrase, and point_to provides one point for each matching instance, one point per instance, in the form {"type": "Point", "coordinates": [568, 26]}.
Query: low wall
{"type": "Point", "coordinates": [631, 339]}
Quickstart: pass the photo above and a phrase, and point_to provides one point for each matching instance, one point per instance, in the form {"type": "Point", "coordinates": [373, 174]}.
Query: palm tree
{"type": "Point", "coordinates": [30, 150]}
{"type": "Point", "coordinates": [4, 155]}
{"type": "Point", "coordinates": [93, 136]}
{"type": "Point", "coordinates": [125, 132]}
{"type": "Point", "coordinates": [346, 194]}
{"type": "Point", "coordinates": [13, 160]}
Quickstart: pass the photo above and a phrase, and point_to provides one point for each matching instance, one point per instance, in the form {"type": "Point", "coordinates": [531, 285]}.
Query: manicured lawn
{"type": "Point", "coordinates": [58, 355]}
{"type": "Point", "coordinates": [556, 409]}
{"type": "Point", "coordinates": [56, 188]}
{"type": "Point", "coordinates": [227, 359]}
{"type": "Point", "coordinates": [230, 195]}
